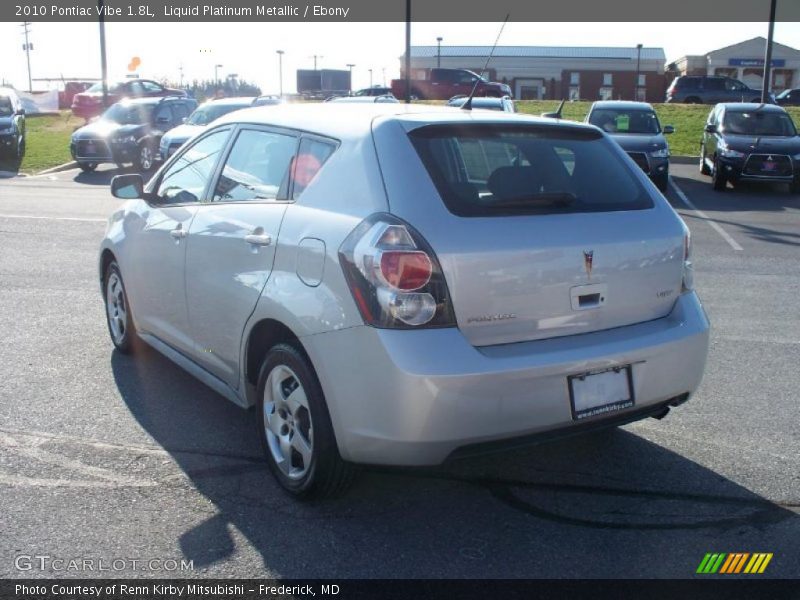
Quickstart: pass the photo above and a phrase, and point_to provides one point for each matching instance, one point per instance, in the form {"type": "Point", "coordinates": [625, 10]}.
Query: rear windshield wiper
{"type": "Point", "coordinates": [537, 200]}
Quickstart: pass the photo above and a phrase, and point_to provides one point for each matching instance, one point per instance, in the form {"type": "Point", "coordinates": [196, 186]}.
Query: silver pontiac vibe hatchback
{"type": "Point", "coordinates": [396, 285]}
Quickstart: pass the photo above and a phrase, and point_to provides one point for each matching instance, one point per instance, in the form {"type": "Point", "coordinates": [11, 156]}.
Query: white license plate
{"type": "Point", "coordinates": [600, 392]}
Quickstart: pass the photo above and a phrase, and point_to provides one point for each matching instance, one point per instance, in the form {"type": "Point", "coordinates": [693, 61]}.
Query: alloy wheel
{"type": "Point", "coordinates": [116, 308]}
{"type": "Point", "coordinates": [287, 422]}
{"type": "Point", "coordinates": [146, 158]}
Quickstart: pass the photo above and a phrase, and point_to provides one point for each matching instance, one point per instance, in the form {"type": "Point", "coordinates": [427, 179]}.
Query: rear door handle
{"type": "Point", "coordinates": [258, 239]}
{"type": "Point", "coordinates": [178, 233]}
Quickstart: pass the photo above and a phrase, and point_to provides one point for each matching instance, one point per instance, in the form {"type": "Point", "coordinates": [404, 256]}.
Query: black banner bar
{"type": "Point", "coordinates": [148, 11]}
{"type": "Point", "coordinates": [730, 588]}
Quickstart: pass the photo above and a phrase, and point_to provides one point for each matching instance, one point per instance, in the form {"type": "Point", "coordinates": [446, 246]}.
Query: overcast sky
{"type": "Point", "coordinates": [248, 49]}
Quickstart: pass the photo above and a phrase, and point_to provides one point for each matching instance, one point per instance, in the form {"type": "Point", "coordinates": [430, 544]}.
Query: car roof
{"type": "Point", "coordinates": [4, 91]}
{"type": "Point", "coordinates": [234, 100]}
{"type": "Point", "coordinates": [623, 104]}
{"type": "Point", "coordinates": [750, 106]}
{"type": "Point", "coordinates": [342, 120]}
{"type": "Point", "coordinates": [152, 99]}
{"type": "Point", "coordinates": [478, 101]}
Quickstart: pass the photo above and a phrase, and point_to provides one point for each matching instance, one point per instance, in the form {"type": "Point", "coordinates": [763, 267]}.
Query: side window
{"type": "Point", "coordinates": [256, 168]}
{"type": "Point", "coordinates": [151, 87]}
{"type": "Point", "coordinates": [136, 88]}
{"type": "Point", "coordinates": [714, 84]}
{"type": "Point", "coordinates": [186, 179]}
{"type": "Point", "coordinates": [163, 115]}
{"type": "Point", "coordinates": [310, 158]}
{"type": "Point", "coordinates": [181, 111]}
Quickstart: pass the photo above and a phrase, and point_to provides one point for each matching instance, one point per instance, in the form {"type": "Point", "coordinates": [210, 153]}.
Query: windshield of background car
{"type": "Point", "coordinates": [625, 121]}
{"type": "Point", "coordinates": [134, 114]}
{"type": "Point", "coordinates": [97, 88]}
{"type": "Point", "coordinates": [206, 114]}
{"type": "Point", "coordinates": [492, 170]}
{"type": "Point", "coordinates": [6, 108]}
{"type": "Point", "coordinates": [783, 94]}
{"type": "Point", "coordinates": [758, 123]}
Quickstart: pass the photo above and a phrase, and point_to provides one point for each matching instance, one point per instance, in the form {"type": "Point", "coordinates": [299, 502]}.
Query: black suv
{"type": "Point", "coordinates": [690, 89]}
{"type": "Point", "coordinates": [129, 132]}
{"type": "Point", "coordinates": [750, 142]}
{"type": "Point", "coordinates": [12, 125]}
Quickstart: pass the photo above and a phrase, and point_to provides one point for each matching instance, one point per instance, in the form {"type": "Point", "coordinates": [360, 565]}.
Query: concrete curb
{"type": "Point", "coordinates": [59, 168]}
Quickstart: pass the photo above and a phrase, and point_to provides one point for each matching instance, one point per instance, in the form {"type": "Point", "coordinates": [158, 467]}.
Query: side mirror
{"type": "Point", "coordinates": [711, 129]}
{"type": "Point", "coordinates": [668, 129]}
{"type": "Point", "coordinates": [127, 187]}
{"type": "Point", "coordinates": [21, 112]}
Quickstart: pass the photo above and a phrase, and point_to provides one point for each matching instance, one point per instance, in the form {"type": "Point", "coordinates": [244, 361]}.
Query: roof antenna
{"type": "Point", "coordinates": [557, 113]}
{"type": "Point", "coordinates": [468, 104]}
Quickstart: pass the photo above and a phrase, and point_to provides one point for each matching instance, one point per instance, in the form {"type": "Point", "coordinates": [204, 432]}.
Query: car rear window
{"type": "Point", "coordinates": [494, 170]}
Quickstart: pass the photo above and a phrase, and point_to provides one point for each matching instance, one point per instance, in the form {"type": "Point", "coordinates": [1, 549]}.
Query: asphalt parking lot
{"type": "Point", "coordinates": [105, 456]}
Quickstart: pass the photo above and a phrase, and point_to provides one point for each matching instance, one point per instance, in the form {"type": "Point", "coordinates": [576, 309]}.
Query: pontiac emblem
{"type": "Point", "coordinates": [769, 158]}
{"type": "Point", "coordinates": [588, 256]}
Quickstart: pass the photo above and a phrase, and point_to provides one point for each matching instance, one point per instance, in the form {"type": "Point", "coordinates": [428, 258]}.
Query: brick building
{"type": "Point", "coordinates": [544, 72]}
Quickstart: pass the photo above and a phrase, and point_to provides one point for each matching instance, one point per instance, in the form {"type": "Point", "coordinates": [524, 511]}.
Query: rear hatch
{"type": "Point", "coordinates": [543, 231]}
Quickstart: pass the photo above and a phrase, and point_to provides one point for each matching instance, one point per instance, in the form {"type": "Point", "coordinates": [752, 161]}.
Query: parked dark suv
{"type": "Point", "coordinates": [690, 89]}
{"type": "Point", "coordinates": [750, 142]}
{"type": "Point", "coordinates": [129, 132]}
{"type": "Point", "coordinates": [12, 125]}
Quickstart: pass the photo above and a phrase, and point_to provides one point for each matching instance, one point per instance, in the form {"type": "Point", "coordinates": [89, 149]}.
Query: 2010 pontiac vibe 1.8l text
{"type": "Point", "coordinates": [397, 285]}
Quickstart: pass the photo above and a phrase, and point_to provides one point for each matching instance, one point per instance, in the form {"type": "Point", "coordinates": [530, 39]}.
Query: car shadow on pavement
{"type": "Point", "coordinates": [600, 505]}
{"type": "Point", "coordinates": [746, 196]}
{"type": "Point", "coordinates": [104, 176]}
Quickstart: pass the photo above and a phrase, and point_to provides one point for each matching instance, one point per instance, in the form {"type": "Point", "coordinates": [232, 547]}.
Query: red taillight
{"type": "Point", "coordinates": [395, 278]}
{"type": "Point", "coordinates": [406, 271]}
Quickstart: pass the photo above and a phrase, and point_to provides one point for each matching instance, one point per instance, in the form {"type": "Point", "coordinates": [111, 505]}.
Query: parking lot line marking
{"type": "Point", "coordinates": [725, 235]}
{"type": "Point", "coordinates": [80, 219]}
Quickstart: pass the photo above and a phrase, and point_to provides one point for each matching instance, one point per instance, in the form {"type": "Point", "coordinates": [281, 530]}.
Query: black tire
{"type": "Point", "coordinates": [87, 167]}
{"type": "Point", "coordinates": [704, 170]}
{"type": "Point", "coordinates": [718, 180]}
{"type": "Point", "coordinates": [145, 158]}
{"type": "Point", "coordinates": [794, 187]}
{"type": "Point", "coordinates": [662, 182]}
{"type": "Point", "coordinates": [127, 341]}
{"type": "Point", "coordinates": [326, 474]}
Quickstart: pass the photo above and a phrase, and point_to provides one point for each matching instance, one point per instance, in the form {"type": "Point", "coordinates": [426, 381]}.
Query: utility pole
{"type": "Point", "coordinates": [280, 71]}
{"type": "Point", "coordinates": [408, 51]}
{"type": "Point", "coordinates": [439, 52]}
{"type": "Point", "coordinates": [767, 79]}
{"type": "Point", "coordinates": [370, 77]}
{"type": "Point", "coordinates": [216, 73]}
{"type": "Point", "coordinates": [638, 64]}
{"type": "Point", "coordinates": [180, 69]}
{"type": "Point", "coordinates": [28, 47]}
{"type": "Point", "coordinates": [315, 57]}
{"type": "Point", "coordinates": [103, 61]}
{"type": "Point", "coordinates": [350, 66]}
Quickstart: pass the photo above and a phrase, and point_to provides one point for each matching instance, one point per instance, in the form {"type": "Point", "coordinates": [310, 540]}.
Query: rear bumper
{"type": "Point", "coordinates": [416, 397]}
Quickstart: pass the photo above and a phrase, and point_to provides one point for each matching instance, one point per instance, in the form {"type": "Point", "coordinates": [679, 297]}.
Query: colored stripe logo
{"type": "Point", "coordinates": [734, 562]}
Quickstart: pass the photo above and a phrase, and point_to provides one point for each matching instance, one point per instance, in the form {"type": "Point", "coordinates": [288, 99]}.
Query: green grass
{"type": "Point", "coordinates": [688, 120]}
{"type": "Point", "coordinates": [47, 142]}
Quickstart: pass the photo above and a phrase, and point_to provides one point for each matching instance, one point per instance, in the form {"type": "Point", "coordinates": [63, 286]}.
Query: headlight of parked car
{"type": "Point", "coordinates": [723, 150]}
{"type": "Point", "coordinates": [660, 153]}
{"type": "Point", "coordinates": [125, 139]}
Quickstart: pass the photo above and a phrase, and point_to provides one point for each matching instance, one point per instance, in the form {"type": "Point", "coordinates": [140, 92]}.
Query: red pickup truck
{"type": "Point", "coordinates": [443, 84]}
